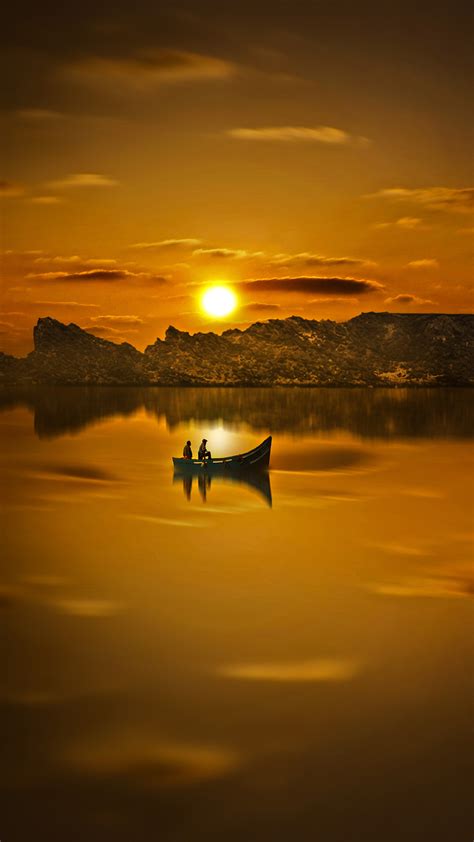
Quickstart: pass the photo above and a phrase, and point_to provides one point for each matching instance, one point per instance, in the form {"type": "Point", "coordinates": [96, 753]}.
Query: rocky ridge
{"type": "Point", "coordinates": [373, 349]}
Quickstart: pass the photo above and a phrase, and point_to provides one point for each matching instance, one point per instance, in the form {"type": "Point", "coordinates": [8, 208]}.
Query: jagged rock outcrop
{"type": "Point", "coordinates": [373, 349]}
{"type": "Point", "coordinates": [68, 354]}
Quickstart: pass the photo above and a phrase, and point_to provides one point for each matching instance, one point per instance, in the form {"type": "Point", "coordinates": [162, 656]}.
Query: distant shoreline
{"type": "Point", "coordinates": [18, 384]}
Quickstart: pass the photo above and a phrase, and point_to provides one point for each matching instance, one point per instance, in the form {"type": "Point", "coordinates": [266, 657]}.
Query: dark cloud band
{"type": "Point", "coordinates": [100, 275]}
{"type": "Point", "coordinates": [328, 286]}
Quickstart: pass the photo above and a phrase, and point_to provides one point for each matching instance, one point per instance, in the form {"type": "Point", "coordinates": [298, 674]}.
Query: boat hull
{"type": "Point", "coordinates": [256, 459]}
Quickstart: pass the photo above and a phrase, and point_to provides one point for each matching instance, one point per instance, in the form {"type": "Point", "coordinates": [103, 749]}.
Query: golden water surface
{"type": "Point", "coordinates": [285, 658]}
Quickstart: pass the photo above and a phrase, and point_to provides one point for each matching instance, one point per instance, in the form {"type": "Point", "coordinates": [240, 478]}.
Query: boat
{"type": "Point", "coordinates": [256, 459]}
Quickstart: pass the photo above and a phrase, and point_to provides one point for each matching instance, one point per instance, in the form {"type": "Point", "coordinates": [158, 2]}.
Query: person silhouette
{"type": "Point", "coordinates": [187, 451]}
{"type": "Point", "coordinates": [204, 453]}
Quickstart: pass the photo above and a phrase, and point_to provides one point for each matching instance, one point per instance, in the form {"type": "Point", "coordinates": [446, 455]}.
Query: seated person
{"type": "Point", "coordinates": [204, 453]}
{"type": "Point", "coordinates": [187, 452]}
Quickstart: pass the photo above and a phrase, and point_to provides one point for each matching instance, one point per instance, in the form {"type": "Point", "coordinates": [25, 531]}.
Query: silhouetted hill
{"type": "Point", "coordinates": [373, 349]}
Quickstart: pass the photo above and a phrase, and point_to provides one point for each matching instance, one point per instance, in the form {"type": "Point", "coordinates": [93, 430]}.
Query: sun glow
{"type": "Point", "coordinates": [218, 301]}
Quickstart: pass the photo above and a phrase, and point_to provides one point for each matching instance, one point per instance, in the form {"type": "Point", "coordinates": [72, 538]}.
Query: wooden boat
{"type": "Point", "coordinates": [256, 459]}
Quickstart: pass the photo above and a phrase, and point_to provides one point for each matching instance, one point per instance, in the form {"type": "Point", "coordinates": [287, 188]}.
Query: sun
{"type": "Point", "coordinates": [218, 301]}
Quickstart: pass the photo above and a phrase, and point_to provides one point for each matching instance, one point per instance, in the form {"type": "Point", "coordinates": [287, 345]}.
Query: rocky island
{"type": "Point", "coordinates": [372, 349]}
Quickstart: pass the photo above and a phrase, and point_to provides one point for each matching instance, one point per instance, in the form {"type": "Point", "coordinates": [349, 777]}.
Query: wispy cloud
{"type": "Point", "coordinates": [306, 258]}
{"type": "Point", "coordinates": [11, 189]}
{"type": "Point", "coordinates": [38, 115]}
{"type": "Point", "coordinates": [11, 253]}
{"type": "Point", "coordinates": [180, 243]}
{"type": "Point", "coordinates": [297, 134]}
{"type": "Point", "coordinates": [259, 307]}
{"type": "Point", "coordinates": [156, 763]}
{"type": "Point", "coordinates": [117, 321]}
{"type": "Point", "coordinates": [435, 587]}
{"type": "Point", "coordinates": [310, 285]}
{"type": "Point", "coordinates": [450, 199]}
{"type": "Point", "coordinates": [76, 259]}
{"type": "Point", "coordinates": [225, 253]}
{"type": "Point", "coordinates": [322, 669]}
{"type": "Point", "coordinates": [424, 263]}
{"type": "Point", "coordinates": [114, 333]}
{"type": "Point", "coordinates": [98, 274]}
{"type": "Point", "coordinates": [87, 607]}
{"type": "Point", "coordinates": [406, 223]}
{"type": "Point", "coordinates": [69, 305]}
{"type": "Point", "coordinates": [147, 69]}
{"type": "Point", "coordinates": [407, 298]}
{"type": "Point", "coordinates": [83, 179]}
{"type": "Point", "coordinates": [332, 299]}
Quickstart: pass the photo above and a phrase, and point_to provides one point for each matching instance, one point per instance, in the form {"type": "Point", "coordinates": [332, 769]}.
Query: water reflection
{"type": "Point", "coordinates": [195, 672]}
{"type": "Point", "coordinates": [257, 480]}
{"type": "Point", "coordinates": [370, 413]}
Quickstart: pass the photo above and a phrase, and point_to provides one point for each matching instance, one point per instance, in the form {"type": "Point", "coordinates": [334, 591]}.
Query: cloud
{"type": "Point", "coordinates": [393, 548]}
{"type": "Point", "coordinates": [406, 223]}
{"type": "Point", "coordinates": [328, 286]}
{"type": "Point", "coordinates": [11, 189]}
{"type": "Point", "coordinates": [307, 259]}
{"type": "Point", "coordinates": [116, 334]}
{"type": "Point", "coordinates": [98, 274]}
{"type": "Point", "coordinates": [424, 263]}
{"type": "Point", "coordinates": [323, 669]}
{"type": "Point", "coordinates": [58, 258]}
{"type": "Point", "coordinates": [27, 253]}
{"type": "Point", "coordinates": [428, 586]}
{"type": "Point", "coordinates": [198, 250]}
{"type": "Point", "coordinates": [77, 305]}
{"type": "Point", "coordinates": [225, 253]}
{"type": "Point", "coordinates": [295, 134]}
{"type": "Point", "coordinates": [334, 300]}
{"type": "Point", "coordinates": [87, 607]}
{"type": "Point", "coordinates": [86, 275]}
{"type": "Point", "coordinates": [152, 760]}
{"type": "Point", "coordinates": [407, 298]}
{"type": "Point", "coordinates": [148, 69]}
{"type": "Point", "coordinates": [184, 242]}
{"type": "Point", "coordinates": [39, 115]}
{"type": "Point", "coordinates": [75, 258]}
{"type": "Point", "coordinates": [257, 307]}
{"type": "Point", "coordinates": [83, 179]}
{"type": "Point", "coordinates": [45, 200]}
{"type": "Point", "coordinates": [117, 321]}
{"type": "Point", "coordinates": [450, 199]}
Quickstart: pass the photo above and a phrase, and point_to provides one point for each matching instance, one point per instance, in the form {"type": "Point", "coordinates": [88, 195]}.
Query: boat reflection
{"type": "Point", "coordinates": [259, 481]}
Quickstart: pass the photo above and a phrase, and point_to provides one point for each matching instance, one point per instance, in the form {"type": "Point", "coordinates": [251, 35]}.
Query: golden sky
{"type": "Point", "coordinates": [315, 157]}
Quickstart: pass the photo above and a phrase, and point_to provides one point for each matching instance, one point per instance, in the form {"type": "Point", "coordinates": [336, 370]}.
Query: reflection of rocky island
{"type": "Point", "coordinates": [373, 349]}
{"type": "Point", "coordinates": [369, 413]}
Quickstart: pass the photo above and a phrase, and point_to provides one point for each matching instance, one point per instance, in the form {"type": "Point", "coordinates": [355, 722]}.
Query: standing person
{"type": "Point", "coordinates": [187, 452]}
{"type": "Point", "coordinates": [204, 453]}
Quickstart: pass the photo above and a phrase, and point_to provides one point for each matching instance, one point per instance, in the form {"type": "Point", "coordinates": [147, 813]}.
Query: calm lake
{"type": "Point", "coordinates": [268, 661]}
